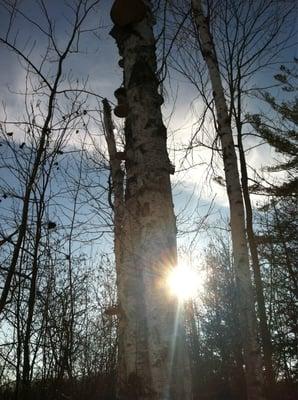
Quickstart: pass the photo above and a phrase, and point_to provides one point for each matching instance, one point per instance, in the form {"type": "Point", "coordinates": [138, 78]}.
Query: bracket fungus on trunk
{"type": "Point", "coordinates": [120, 95]}
{"type": "Point", "coordinates": [121, 110]}
{"type": "Point", "coordinates": [149, 365]}
{"type": "Point", "coordinates": [126, 12]}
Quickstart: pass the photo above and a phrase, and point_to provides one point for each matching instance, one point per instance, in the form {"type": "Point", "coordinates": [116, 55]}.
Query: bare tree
{"type": "Point", "coordinates": [44, 295]}
{"type": "Point", "coordinates": [151, 337]}
{"type": "Point", "coordinates": [53, 90]}
{"type": "Point", "coordinates": [246, 309]}
{"type": "Point", "coordinates": [249, 37]}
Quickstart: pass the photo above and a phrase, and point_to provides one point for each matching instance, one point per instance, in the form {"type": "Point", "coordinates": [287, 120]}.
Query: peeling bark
{"type": "Point", "coordinates": [153, 358]}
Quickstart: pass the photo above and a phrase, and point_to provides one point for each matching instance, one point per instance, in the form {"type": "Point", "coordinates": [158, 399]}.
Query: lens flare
{"type": "Point", "coordinates": [184, 282]}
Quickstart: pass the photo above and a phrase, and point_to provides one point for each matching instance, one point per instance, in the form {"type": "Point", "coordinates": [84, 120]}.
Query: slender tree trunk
{"type": "Point", "coordinates": [19, 338]}
{"type": "Point", "coordinates": [264, 329]}
{"type": "Point", "coordinates": [117, 189]}
{"type": "Point", "coordinates": [247, 318]}
{"type": "Point", "coordinates": [153, 358]}
{"type": "Point", "coordinates": [32, 178]}
{"type": "Point", "coordinates": [27, 365]}
{"type": "Point", "coordinates": [195, 344]}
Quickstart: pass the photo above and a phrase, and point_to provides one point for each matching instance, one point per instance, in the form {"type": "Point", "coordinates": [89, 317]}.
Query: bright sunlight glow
{"type": "Point", "coordinates": [184, 282]}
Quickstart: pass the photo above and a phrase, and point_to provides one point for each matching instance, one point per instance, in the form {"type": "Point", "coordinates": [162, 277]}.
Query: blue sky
{"type": "Point", "coordinates": [97, 63]}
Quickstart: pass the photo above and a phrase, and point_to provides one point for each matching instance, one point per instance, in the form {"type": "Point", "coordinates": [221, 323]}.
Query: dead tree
{"type": "Point", "coordinates": [153, 363]}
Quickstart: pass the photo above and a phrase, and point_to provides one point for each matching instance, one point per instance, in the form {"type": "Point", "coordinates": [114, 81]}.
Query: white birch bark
{"type": "Point", "coordinates": [247, 318]}
{"type": "Point", "coordinates": [154, 361]}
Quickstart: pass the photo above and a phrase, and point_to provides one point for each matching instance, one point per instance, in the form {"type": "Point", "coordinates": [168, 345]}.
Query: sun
{"type": "Point", "coordinates": [184, 282]}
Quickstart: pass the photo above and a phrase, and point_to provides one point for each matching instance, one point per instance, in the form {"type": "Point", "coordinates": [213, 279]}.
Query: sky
{"type": "Point", "coordinates": [194, 192]}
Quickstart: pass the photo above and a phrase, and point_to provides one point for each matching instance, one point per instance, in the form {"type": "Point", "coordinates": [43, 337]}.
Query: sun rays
{"type": "Point", "coordinates": [185, 282]}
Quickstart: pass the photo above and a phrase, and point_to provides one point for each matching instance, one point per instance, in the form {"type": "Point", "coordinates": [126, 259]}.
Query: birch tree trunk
{"type": "Point", "coordinates": [263, 325]}
{"type": "Point", "coordinates": [247, 318]}
{"type": "Point", "coordinates": [153, 358]}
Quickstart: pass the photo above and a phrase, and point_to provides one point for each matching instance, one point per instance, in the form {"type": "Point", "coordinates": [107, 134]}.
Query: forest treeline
{"type": "Point", "coordinates": [63, 157]}
{"type": "Point", "coordinates": [73, 343]}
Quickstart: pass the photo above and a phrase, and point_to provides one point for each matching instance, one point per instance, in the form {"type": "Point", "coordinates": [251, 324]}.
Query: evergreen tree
{"type": "Point", "coordinates": [279, 129]}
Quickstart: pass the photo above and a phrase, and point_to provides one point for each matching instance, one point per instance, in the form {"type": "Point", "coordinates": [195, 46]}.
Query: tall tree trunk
{"type": "Point", "coordinates": [247, 318]}
{"type": "Point", "coordinates": [153, 358]}
{"type": "Point", "coordinates": [264, 329]}
{"type": "Point", "coordinates": [117, 175]}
